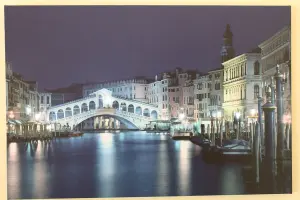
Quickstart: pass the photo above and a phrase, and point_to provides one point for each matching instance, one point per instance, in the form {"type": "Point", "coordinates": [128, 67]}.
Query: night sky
{"type": "Point", "coordinates": [57, 46]}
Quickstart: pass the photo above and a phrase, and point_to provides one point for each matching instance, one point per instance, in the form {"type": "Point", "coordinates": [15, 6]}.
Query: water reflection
{"type": "Point", "coordinates": [184, 167]}
{"type": "Point", "coordinates": [128, 164]}
{"type": "Point", "coordinates": [40, 171]}
{"type": "Point", "coordinates": [162, 169]}
{"type": "Point", "coordinates": [13, 171]}
{"type": "Point", "coordinates": [27, 170]}
{"type": "Point", "coordinates": [230, 179]}
{"type": "Point", "coordinates": [105, 170]}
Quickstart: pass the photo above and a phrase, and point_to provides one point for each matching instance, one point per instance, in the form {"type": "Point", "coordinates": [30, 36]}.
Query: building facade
{"type": "Point", "coordinates": [202, 85]}
{"type": "Point", "coordinates": [22, 96]}
{"type": "Point", "coordinates": [242, 85]}
{"type": "Point", "coordinates": [45, 102]}
{"type": "Point", "coordinates": [175, 95]}
{"type": "Point", "coordinates": [216, 91]}
{"type": "Point", "coordinates": [276, 50]}
{"type": "Point", "coordinates": [34, 100]}
{"type": "Point", "coordinates": [158, 95]}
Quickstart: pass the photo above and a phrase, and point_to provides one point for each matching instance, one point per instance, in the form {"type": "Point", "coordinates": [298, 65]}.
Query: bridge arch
{"type": "Point", "coordinates": [92, 105]}
{"type": "Point", "coordinates": [76, 110]}
{"type": "Point", "coordinates": [84, 107]}
{"type": "Point", "coordinates": [146, 112]}
{"type": "Point", "coordinates": [60, 114]}
{"type": "Point", "coordinates": [115, 105]}
{"type": "Point", "coordinates": [52, 116]}
{"type": "Point", "coordinates": [68, 112]}
{"type": "Point", "coordinates": [126, 122]}
{"type": "Point", "coordinates": [130, 108]}
{"type": "Point", "coordinates": [123, 106]}
{"type": "Point", "coordinates": [154, 114]}
{"type": "Point", "coordinates": [138, 110]}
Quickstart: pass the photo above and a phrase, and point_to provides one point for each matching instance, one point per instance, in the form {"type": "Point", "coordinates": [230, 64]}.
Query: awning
{"type": "Point", "coordinates": [11, 121]}
{"type": "Point", "coordinates": [18, 122]}
{"type": "Point", "coordinates": [161, 121]}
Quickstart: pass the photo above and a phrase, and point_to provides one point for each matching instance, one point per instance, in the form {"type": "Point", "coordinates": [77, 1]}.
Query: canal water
{"type": "Point", "coordinates": [129, 164]}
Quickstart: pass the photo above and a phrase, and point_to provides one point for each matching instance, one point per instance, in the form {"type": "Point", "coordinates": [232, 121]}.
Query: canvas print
{"type": "Point", "coordinates": [146, 101]}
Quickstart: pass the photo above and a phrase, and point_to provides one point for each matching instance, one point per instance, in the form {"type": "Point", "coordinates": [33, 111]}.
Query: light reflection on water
{"type": "Point", "coordinates": [128, 164]}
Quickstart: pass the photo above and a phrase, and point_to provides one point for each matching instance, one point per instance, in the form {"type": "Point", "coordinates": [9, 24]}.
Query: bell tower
{"type": "Point", "coordinates": [227, 50]}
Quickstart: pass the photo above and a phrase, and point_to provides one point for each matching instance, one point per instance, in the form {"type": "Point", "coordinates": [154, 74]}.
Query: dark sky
{"type": "Point", "coordinates": [58, 46]}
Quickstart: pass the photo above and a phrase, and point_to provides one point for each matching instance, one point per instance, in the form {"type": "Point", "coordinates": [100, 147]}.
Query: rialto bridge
{"type": "Point", "coordinates": [102, 110]}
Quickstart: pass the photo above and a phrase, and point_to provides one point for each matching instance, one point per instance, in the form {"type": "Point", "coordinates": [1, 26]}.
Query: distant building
{"type": "Point", "coordinates": [227, 50]}
{"type": "Point", "coordinates": [66, 94]}
{"type": "Point", "coordinates": [134, 88]}
{"type": "Point", "coordinates": [45, 103]}
{"type": "Point", "coordinates": [277, 50]}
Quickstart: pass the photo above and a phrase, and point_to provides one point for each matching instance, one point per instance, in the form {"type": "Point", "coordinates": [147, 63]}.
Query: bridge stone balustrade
{"type": "Point", "coordinates": [102, 103]}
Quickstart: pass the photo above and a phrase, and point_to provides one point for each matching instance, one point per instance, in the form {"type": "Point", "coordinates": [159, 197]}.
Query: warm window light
{"type": "Point", "coordinates": [253, 112]}
{"type": "Point", "coordinates": [28, 110]}
{"type": "Point", "coordinates": [37, 116]}
{"type": "Point", "coordinates": [219, 114]}
{"type": "Point", "coordinates": [213, 114]}
{"type": "Point", "coordinates": [48, 127]}
{"type": "Point", "coordinates": [11, 115]}
{"type": "Point", "coordinates": [287, 119]}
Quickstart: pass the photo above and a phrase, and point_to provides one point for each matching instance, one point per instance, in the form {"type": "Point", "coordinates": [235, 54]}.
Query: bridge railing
{"type": "Point", "coordinates": [135, 101]}
{"type": "Point", "coordinates": [92, 112]}
{"type": "Point", "coordinates": [75, 101]}
{"type": "Point", "coordinates": [82, 114]}
{"type": "Point", "coordinates": [134, 115]}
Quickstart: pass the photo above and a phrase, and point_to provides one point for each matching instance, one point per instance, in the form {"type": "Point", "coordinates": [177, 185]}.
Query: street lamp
{"type": "Point", "coordinates": [270, 90]}
{"type": "Point", "coordinates": [253, 115]}
{"type": "Point", "coordinates": [252, 111]}
{"type": "Point", "coordinates": [10, 116]}
{"type": "Point", "coordinates": [219, 114]}
{"type": "Point", "coordinates": [28, 110]}
{"type": "Point", "coordinates": [181, 116]}
{"type": "Point", "coordinates": [37, 116]}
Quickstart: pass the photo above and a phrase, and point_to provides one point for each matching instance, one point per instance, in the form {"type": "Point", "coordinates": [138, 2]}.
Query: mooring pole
{"type": "Point", "coordinates": [269, 161]}
{"type": "Point", "coordinates": [221, 133]}
{"type": "Point", "coordinates": [259, 109]}
{"type": "Point", "coordinates": [280, 129]}
{"type": "Point", "coordinates": [256, 153]}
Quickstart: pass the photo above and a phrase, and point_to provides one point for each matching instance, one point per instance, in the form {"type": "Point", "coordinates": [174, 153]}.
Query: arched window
{"type": "Point", "coordinates": [256, 68]}
{"type": "Point", "coordinates": [256, 91]}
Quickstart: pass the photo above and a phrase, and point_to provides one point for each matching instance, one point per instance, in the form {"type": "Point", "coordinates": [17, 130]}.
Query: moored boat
{"type": "Point", "coordinates": [182, 136]}
{"type": "Point", "coordinates": [235, 150]}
